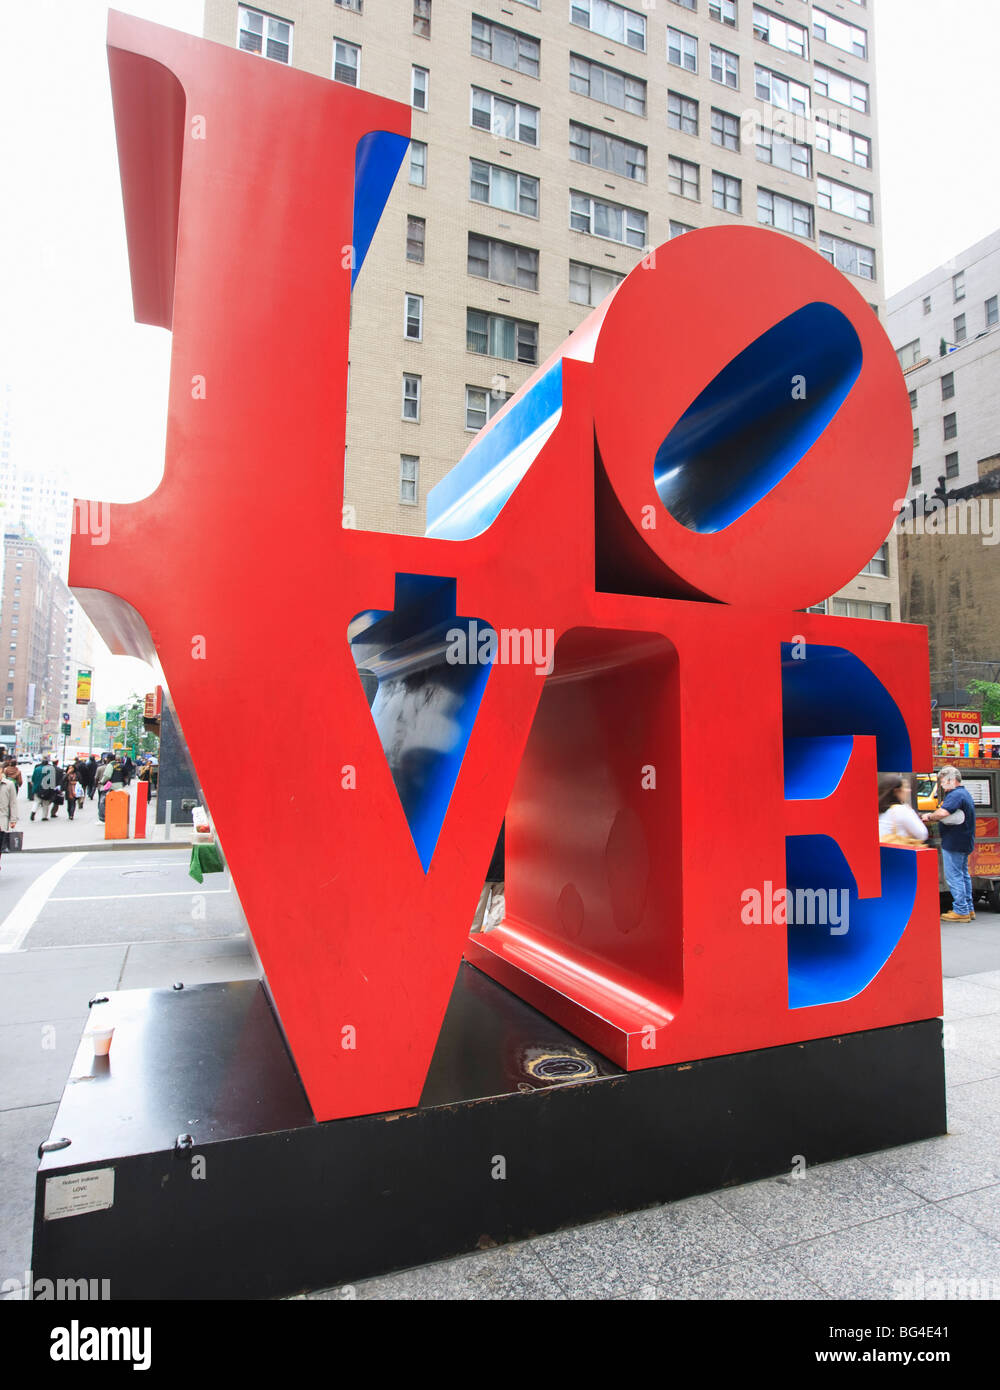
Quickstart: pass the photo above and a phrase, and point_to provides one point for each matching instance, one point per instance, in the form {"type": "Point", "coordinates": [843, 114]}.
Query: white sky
{"type": "Point", "coordinates": [91, 385]}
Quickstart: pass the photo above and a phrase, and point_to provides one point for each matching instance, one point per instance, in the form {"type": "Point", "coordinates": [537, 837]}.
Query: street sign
{"type": "Point", "coordinates": [84, 679]}
{"type": "Point", "coordinates": [961, 723]}
{"type": "Point", "coordinates": [67, 728]}
{"type": "Point", "coordinates": [65, 718]}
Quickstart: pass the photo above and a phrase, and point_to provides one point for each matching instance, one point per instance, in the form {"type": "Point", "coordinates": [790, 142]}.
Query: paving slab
{"type": "Point", "coordinates": [944, 1167]}
{"type": "Point", "coordinates": [899, 1256]}
{"type": "Point", "coordinates": [54, 959]}
{"type": "Point", "coordinates": [35, 1060]}
{"type": "Point", "coordinates": [980, 1209]}
{"type": "Point", "coordinates": [771, 1279]}
{"type": "Point", "coordinates": [512, 1272]}
{"type": "Point", "coordinates": [21, 1132]}
{"type": "Point", "coordinates": [964, 997]}
{"type": "Point", "coordinates": [157, 965]}
{"type": "Point", "coordinates": [830, 1197]}
{"type": "Point", "coordinates": [38, 996]}
{"type": "Point", "coordinates": [616, 1258]}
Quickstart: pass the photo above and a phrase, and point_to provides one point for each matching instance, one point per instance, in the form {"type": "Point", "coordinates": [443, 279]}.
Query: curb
{"type": "Point", "coordinates": [107, 845]}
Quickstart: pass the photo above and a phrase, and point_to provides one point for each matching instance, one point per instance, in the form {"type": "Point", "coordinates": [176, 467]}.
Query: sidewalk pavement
{"type": "Point", "coordinates": [86, 832]}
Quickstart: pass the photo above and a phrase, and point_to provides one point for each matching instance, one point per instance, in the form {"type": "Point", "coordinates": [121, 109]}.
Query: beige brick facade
{"type": "Point", "coordinates": [377, 434]}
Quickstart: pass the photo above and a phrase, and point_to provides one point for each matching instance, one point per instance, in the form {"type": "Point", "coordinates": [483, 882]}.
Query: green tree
{"type": "Point", "coordinates": [990, 693]}
{"type": "Point", "coordinates": [136, 739]}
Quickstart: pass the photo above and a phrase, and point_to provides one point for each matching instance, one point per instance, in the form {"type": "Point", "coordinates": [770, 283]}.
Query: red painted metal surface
{"type": "Point", "coordinates": [623, 899]}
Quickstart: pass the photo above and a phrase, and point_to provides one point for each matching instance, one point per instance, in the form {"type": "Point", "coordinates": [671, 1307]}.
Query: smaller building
{"type": "Point", "coordinates": [944, 328]}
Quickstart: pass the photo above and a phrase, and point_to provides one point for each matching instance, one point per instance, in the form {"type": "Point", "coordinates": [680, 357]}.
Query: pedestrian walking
{"type": "Point", "coordinates": [898, 822]}
{"type": "Point", "coordinates": [956, 813]}
{"type": "Point", "coordinates": [41, 787]}
{"type": "Point", "coordinates": [8, 807]}
{"type": "Point", "coordinates": [71, 790]}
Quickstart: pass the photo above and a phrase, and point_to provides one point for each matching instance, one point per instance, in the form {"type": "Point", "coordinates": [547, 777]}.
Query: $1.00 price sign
{"type": "Point", "coordinates": [960, 723]}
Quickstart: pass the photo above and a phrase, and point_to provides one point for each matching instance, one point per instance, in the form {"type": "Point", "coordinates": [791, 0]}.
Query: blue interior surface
{"type": "Point", "coordinates": [423, 706]}
{"type": "Point", "coordinates": [470, 497]}
{"type": "Point", "coordinates": [832, 692]}
{"type": "Point", "coordinates": [376, 163]}
{"type": "Point", "coordinates": [747, 429]}
{"type": "Point", "coordinates": [828, 695]}
{"type": "Point", "coordinates": [824, 968]}
{"type": "Point", "coordinates": [814, 766]}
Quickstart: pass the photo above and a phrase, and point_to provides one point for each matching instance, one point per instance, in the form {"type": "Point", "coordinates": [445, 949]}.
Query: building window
{"type": "Point", "coordinates": [510, 119]}
{"type": "Point", "coordinates": [422, 18]}
{"type": "Point", "coordinates": [844, 199]}
{"type": "Point", "coordinates": [951, 465]}
{"type": "Point", "coordinates": [951, 427]}
{"type": "Point", "coordinates": [413, 317]}
{"type": "Point", "coordinates": [611, 221]}
{"type": "Point", "coordinates": [992, 314]}
{"type": "Point", "coordinates": [503, 262]}
{"type": "Point", "coordinates": [610, 21]}
{"type": "Point", "coordinates": [495, 335]}
{"type": "Point", "coordinates": [682, 178]}
{"type": "Point", "coordinates": [682, 49]}
{"type": "Point", "coordinates": [346, 63]}
{"type": "Point", "coordinates": [608, 152]}
{"type": "Point", "coordinates": [781, 91]}
{"type": "Point", "coordinates": [411, 397]}
{"type": "Point", "coordinates": [916, 437]}
{"type": "Point", "coordinates": [855, 149]}
{"type": "Point", "coordinates": [914, 475]}
{"type": "Point", "coordinates": [409, 472]}
{"type": "Point", "coordinates": [859, 608]}
{"type": "Point", "coordinates": [589, 285]}
{"type": "Point", "coordinates": [686, 4]}
{"type": "Point", "coordinates": [913, 399]}
{"type": "Point", "coordinates": [844, 36]}
{"type": "Point", "coordinates": [727, 192]}
{"type": "Point", "coordinates": [780, 33]}
{"type": "Point", "coordinates": [356, 5]}
{"type": "Point", "coordinates": [723, 10]}
{"type": "Point", "coordinates": [783, 153]}
{"type": "Point", "coordinates": [481, 405]}
{"type": "Point", "coordinates": [879, 563]}
{"type": "Point", "coordinates": [786, 214]}
{"type": "Point", "coordinates": [682, 113]}
{"type": "Point", "coordinates": [725, 66]}
{"type": "Point", "coordinates": [958, 286]}
{"type": "Point", "coordinates": [848, 255]}
{"type": "Point", "coordinates": [725, 129]}
{"type": "Point", "coordinates": [849, 91]}
{"type": "Point", "coordinates": [416, 229]}
{"type": "Point", "coordinates": [419, 88]}
{"type": "Point", "coordinates": [262, 33]}
{"type": "Point", "coordinates": [927, 304]}
{"type": "Point", "coordinates": [507, 47]}
{"type": "Point", "coordinates": [960, 329]}
{"type": "Point", "coordinates": [947, 386]}
{"type": "Point", "coordinates": [503, 188]}
{"type": "Point", "coordinates": [418, 163]}
{"type": "Point", "coordinates": [608, 85]}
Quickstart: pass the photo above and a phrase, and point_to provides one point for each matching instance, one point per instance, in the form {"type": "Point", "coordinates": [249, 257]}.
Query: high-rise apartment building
{"type": "Point", "coordinates": [553, 143]}
{"type": "Point", "coordinates": [35, 634]}
{"type": "Point", "coordinates": [945, 328]}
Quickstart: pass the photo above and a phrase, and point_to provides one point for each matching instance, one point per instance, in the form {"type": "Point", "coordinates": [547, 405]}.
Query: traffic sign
{"type": "Point", "coordinates": [67, 728]}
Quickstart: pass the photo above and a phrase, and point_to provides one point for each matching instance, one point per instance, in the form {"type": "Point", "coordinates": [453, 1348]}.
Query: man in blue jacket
{"type": "Point", "coordinates": [957, 814]}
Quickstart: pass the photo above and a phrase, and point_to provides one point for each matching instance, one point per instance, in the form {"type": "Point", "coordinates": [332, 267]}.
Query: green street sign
{"type": "Point", "coordinates": [67, 728]}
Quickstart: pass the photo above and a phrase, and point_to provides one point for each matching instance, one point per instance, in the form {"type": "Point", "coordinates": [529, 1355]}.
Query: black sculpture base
{"type": "Point", "coordinates": [520, 1130]}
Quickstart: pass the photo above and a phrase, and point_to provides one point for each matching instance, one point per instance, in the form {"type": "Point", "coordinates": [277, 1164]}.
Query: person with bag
{"type": "Point", "coordinates": [8, 807]}
{"type": "Point", "coordinates": [72, 790]}
{"type": "Point", "coordinates": [40, 790]}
